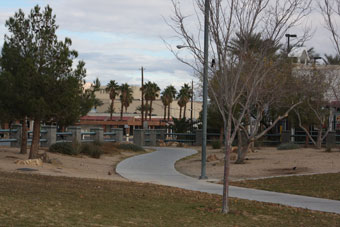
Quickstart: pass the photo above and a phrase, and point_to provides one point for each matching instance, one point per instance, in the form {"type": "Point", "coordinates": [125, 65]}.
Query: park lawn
{"type": "Point", "coordinates": [36, 200]}
{"type": "Point", "coordinates": [321, 185]}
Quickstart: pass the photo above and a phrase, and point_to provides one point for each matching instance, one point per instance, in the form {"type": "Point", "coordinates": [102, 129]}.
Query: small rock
{"type": "Point", "coordinates": [30, 162]}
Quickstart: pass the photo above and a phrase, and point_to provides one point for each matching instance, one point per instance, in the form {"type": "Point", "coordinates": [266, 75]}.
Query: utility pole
{"type": "Point", "coordinates": [142, 70]}
{"type": "Point", "coordinates": [205, 89]}
{"type": "Point", "coordinates": [192, 103]}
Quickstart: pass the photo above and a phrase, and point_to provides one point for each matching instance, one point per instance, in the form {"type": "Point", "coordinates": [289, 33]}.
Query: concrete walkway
{"type": "Point", "coordinates": [158, 168]}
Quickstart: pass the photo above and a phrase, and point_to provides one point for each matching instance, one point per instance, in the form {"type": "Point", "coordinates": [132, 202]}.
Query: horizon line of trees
{"type": "Point", "coordinates": [151, 92]}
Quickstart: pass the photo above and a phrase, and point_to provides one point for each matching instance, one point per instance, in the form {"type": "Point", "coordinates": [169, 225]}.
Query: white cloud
{"type": "Point", "coordinates": [116, 37]}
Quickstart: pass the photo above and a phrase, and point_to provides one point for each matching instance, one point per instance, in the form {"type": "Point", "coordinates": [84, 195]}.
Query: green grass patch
{"type": "Point", "coordinates": [35, 200]}
{"type": "Point", "coordinates": [321, 185]}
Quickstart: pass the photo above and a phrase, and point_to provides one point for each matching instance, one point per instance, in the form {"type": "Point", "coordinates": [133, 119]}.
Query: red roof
{"type": "Point", "coordinates": [104, 118]}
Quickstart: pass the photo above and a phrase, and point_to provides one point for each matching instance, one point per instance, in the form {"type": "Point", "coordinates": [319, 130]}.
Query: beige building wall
{"type": "Point", "coordinates": [158, 108]}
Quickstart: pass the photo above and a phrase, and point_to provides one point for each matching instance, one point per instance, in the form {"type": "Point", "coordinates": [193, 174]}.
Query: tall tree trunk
{"type": "Point", "coordinates": [180, 112]}
{"type": "Point", "coordinates": [146, 109]}
{"type": "Point", "coordinates": [169, 111]}
{"type": "Point", "coordinates": [111, 109]}
{"type": "Point", "coordinates": [184, 110]}
{"type": "Point", "coordinates": [23, 148]}
{"type": "Point", "coordinates": [150, 110]}
{"type": "Point", "coordinates": [319, 139]}
{"type": "Point", "coordinates": [307, 137]}
{"type": "Point", "coordinates": [36, 140]}
{"type": "Point", "coordinates": [242, 152]}
{"type": "Point", "coordinates": [164, 112]}
{"type": "Point", "coordinates": [227, 147]}
{"type": "Point", "coordinates": [121, 110]}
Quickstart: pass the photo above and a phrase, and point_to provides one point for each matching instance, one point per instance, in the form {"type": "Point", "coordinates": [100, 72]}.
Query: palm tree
{"type": "Point", "coordinates": [125, 97]}
{"type": "Point", "coordinates": [184, 97]}
{"type": "Point", "coordinates": [151, 91]}
{"type": "Point", "coordinates": [168, 95]}
{"type": "Point", "coordinates": [112, 88]}
{"type": "Point", "coordinates": [248, 45]}
{"type": "Point", "coordinates": [165, 103]}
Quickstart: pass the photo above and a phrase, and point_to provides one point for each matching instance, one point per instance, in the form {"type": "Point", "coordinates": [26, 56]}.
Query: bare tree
{"type": "Point", "coordinates": [239, 80]}
{"type": "Point", "coordinates": [330, 10]}
{"type": "Point", "coordinates": [315, 109]}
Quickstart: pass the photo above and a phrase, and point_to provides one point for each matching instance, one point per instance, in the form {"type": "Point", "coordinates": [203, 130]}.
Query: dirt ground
{"type": "Point", "coordinates": [264, 162]}
{"type": "Point", "coordinates": [71, 166]}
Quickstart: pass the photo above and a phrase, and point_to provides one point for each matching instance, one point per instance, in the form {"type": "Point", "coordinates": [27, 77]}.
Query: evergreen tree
{"type": "Point", "coordinates": [38, 70]}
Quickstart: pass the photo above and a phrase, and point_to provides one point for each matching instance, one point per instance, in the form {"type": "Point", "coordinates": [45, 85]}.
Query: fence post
{"type": "Point", "coordinates": [76, 133]}
{"type": "Point", "coordinates": [160, 134]}
{"type": "Point", "coordinates": [331, 139]}
{"type": "Point", "coordinates": [285, 137]}
{"type": "Point", "coordinates": [16, 135]}
{"type": "Point", "coordinates": [138, 137]}
{"type": "Point", "coordinates": [198, 137]}
{"type": "Point", "coordinates": [119, 134]}
{"type": "Point", "coordinates": [50, 135]}
{"type": "Point", "coordinates": [99, 137]}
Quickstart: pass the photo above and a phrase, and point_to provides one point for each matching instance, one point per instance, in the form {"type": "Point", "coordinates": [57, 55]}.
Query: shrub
{"type": "Point", "coordinates": [216, 144]}
{"type": "Point", "coordinates": [63, 148]}
{"type": "Point", "coordinates": [288, 146]}
{"type": "Point", "coordinates": [130, 147]}
{"type": "Point", "coordinates": [91, 150]}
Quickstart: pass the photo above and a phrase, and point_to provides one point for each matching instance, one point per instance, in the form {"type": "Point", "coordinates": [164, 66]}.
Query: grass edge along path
{"type": "Point", "coordinates": [325, 186]}
{"type": "Point", "coordinates": [36, 200]}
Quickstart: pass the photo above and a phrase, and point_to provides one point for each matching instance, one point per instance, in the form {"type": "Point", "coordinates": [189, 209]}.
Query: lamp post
{"type": "Point", "coordinates": [205, 88]}
{"type": "Point", "coordinates": [288, 38]}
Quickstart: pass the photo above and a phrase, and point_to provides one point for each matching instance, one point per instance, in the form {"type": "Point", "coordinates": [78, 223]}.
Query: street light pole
{"type": "Point", "coordinates": [142, 107]}
{"type": "Point", "coordinates": [288, 37]}
{"type": "Point", "coordinates": [205, 89]}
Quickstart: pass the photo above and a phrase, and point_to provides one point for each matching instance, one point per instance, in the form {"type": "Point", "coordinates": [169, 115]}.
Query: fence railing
{"type": "Point", "coordinates": [49, 135]}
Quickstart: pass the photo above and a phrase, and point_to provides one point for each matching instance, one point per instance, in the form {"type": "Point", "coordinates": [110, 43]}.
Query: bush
{"type": "Point", "coordinates": [63, 148]}
{"type": "Point", "coordinates": [216, 144]}
{"type": "Point", "coordinates": [130, 147]}
{"type": "Point", "coordinates": [288, 146]}
{"type": "Point", "coordinates": [91, 149]}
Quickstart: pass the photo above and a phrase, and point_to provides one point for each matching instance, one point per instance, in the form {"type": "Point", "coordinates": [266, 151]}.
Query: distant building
{"type": "Point", "coordinates": [132, 117]}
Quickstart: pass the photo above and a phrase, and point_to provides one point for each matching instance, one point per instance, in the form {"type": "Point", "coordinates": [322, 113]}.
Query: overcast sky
{"type": "Point", "coordinates": [116, 37]}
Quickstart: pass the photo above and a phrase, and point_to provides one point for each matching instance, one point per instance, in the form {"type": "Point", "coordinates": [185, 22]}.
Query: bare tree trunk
{"type": "Point", "coordinates": [242, 153]}
{"type": "Point", "coordinates": [36, 140]}
{"type": "Point", "coordinates": [319, 139]}
{"type": "Point", "coordinates": [164, 112]}
{"type": "Point", "coordinates": [185, 110]}
{"type": "Point", "coordinates": [23, 148]}
{"type": "Point", "coordinates": [227, 147]}
{"type": "Point", "coordinates": [180, 112]}
{"type": "Point", "coordinates": [169, 112]}
{"type": "Point", "coordinates": [121, 110]}
{"type": "Point", "coordinates": [111, 109]}
{"type": "Point", "coordinates": [146, 109]}
{"type": "Point", "coordinates": [150, 110]}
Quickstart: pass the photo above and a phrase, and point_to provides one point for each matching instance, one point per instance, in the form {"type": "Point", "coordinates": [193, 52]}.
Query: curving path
{"type": "Point", "coordinates": [158, 168]}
